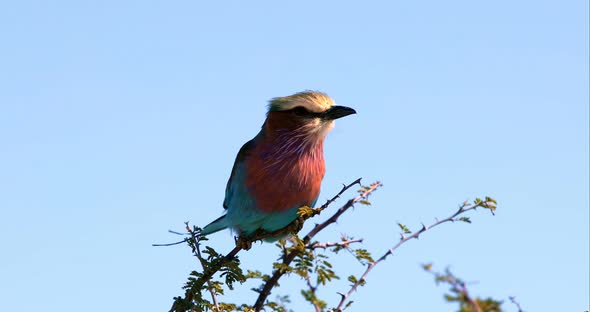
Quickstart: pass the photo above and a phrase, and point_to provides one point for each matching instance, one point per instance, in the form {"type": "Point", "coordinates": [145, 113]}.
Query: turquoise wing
{"type": "Point", "coordinates": [229, 188]}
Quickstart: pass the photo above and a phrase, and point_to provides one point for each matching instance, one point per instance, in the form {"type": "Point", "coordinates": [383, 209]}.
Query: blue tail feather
{"type": "Point", "coordinates": [215, 226]}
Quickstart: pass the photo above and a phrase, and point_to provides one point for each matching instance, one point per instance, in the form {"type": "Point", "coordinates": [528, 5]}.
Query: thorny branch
{"type": "Point", "coordinates": [343, 244]}
{"type": "Point", "coordinates": [465, 207]}
{"type": "Point", "coordinates": [277, 274]}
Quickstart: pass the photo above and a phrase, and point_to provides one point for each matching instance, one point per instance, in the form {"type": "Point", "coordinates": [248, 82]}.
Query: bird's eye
{"type": "Point", "coordinates": [300, 111]}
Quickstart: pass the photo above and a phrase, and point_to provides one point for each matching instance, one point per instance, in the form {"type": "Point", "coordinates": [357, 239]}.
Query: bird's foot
{"type": "Point", "coordinates": [295, 226]}
{"type": "Point", "coordinates": [244, 242]}
{"type": "Point", "coordinates": [306, 212]}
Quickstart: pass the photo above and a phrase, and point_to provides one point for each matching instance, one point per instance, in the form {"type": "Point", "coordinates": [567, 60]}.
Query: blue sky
{"type": "Point", "coordinates": [120, 120]}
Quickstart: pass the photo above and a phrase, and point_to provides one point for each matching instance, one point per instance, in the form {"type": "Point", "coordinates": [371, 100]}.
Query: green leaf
{"type": "Point", "coordinates": [363, 254]}
{"type": "Point", "coordinates": [490, 206]}
{"type": "Point", "coordinates": [404, 228]}
{"type": "Point", "coordinates": [465, 219]}
{"type": "Point", "coordinates": [348, 304]}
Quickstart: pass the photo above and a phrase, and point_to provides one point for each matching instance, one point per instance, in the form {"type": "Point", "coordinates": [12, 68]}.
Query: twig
{"type": "Point", "coordinates": [203, 265]}
{"type": "Point", "coordinates": [176, 243]}
{"type": "Point", "coordinates": [513, 300]}
{"type": "Point", "coordinates": [343, 244]}
{"type": "Point", "coordinates": [344, 189]}
{"type": "Point", "coordinates": [466, 206]}
{"type": "Point", "coordinates": [207, 274]}
{"type": "Point", "coordinates": [457, 286]}
{"type": "Point", "coordinates": [171, 244]}
{"type": "Point", "coordinates": [312, 288]}
{"type": "Point", "coordinates": [462, 289]}
{"type": "Point", "coordinates": [277, 274]}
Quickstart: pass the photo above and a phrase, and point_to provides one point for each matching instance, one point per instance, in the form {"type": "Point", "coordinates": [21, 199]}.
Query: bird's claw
{"type": "Point", "coordinates": [244, 242]}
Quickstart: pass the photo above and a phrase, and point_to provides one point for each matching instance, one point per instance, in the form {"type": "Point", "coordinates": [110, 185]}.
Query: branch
{"type": "Point", "coordinates": [489, 203]}
{"type": "Point", "coordinates": [343, 244]}
{"type": "Point", "coordinates": [344, 189]}
{"type": "Point", "coordinates": [277, 274]}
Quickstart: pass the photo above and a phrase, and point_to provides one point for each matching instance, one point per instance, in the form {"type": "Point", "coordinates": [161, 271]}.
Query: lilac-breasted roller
{"type": "Point", "coordinates": [281, 169]}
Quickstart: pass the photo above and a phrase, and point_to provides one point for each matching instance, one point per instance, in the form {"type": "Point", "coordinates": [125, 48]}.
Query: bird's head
{"type": "Point", "coordinates": [309, 114]}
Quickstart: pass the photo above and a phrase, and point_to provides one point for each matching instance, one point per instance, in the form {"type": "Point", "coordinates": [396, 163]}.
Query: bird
{"type": "Point", "coordinates": [281, 168]}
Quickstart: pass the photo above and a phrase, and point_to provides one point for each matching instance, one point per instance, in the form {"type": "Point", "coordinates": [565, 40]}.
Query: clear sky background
{"type": "Point", "coordinates": [120, 120]}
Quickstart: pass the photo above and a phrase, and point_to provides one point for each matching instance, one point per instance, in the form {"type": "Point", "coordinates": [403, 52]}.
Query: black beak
{"type": "Point", "coordinates": [336, 112]}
